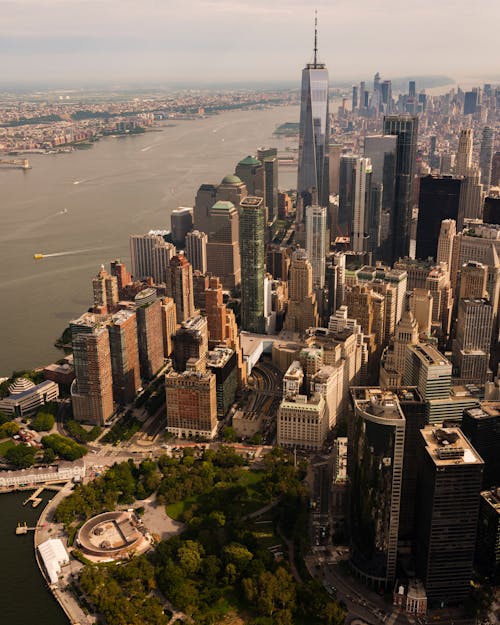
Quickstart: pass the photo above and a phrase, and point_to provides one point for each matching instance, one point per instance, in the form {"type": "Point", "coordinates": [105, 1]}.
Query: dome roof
{"type": "Point", "coordinates": [249, 160]}
{"type": "Point", "coordinates": [20, 385]}
{"type": "Point", "coordinates": [231, 179]}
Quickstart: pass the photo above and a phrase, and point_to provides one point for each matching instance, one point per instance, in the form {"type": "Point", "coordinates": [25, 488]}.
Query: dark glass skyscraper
{"type": "Point", "coordinates": [405, 127]}
{"type": "Point", "coordinates": [252, 225]}
{"type": "Point", "coordinates": [314, 133]}
{"type": "Point", "coordinates": [439, 198]}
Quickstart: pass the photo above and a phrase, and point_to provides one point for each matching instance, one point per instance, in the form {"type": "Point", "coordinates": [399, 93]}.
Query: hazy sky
{"type": "Point", "coordinates": [243, 40]}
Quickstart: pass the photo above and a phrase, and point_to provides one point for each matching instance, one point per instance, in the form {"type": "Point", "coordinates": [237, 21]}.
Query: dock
{"type": "Point", "coordinates": [23, 529]}
{"type": "Point", "coordinates": [16, 163]}
{"type": "Point", "coordinates": [34, 498]}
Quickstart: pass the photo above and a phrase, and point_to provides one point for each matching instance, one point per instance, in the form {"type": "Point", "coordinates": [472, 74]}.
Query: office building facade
{"type": "Point", "coordinates": [405, 128]}
{"type": "Point", "coordinates": [252, 226]}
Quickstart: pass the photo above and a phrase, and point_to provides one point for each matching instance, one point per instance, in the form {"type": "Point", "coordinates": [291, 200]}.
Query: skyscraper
{"type": "Point", "coordinates": [464, 154]}
{"type": "Point", "coordinates": [251, 171]}
{"type": "Point", "coordinates": [314, 132]}
{"type": "Point", "coordinates": [196, 250]}
{"type": "Point", "coordinates": [486, 156]}
{"type": "Point", "coordinates": [92, 389]}
{"type": "Point", "coordinates": [405, 127]}
{"type": "Point", "coordinates": [471, 197]}
{"type": "Point", "coordinates": [481, 425]}
{"type": "Point", "coordinates": [447, 233]}
{"type": "Point", "coordinates": [150, 254]}
{"type": "Point", "coordinates": [471, 348]}
{"type": "Point", "coordinates": [449, 483]}
{"type": "Point", "coordinates": [354, 200]}
{"type": "Point", "coordinates": [316, 243]}
{"type": "Point", "coordinates": [181, 221]}
{"type": "Point", "coordinates": [471, 100]}
{"type": "Point", "coordinates": [302, 312]}
{"type": "Point", "coordinates": [438, 199]}
{"type": "Point", "coordinates": [223, 247]}
{"type": "Point", "coordinates": [149, 332]}
{"type": "Point", "coordinates": [169, 324]}
{"type": "Point", "coordinates": [105, 289]}
{"type": "Point", "coordinates": [473, 280]}
{"type": "Point", "coordinates": [191, 404]}
{"type": "Point", "coordinates": [269, 159]}
{"type": "Point", "coordinates": [124, 350]}
{"type": "Point", "coordinates": [216, 311]}
{"type": "Point", "coordinates": [191, 344]}
{"type": "Point", "coordinates": [180, 286]}
{"type": "Point", "coordinates": [375, 466]}
{"type": "Point", "coordinates": [381, 150]}
{"type": "Point", "coordinates": [252, 225]}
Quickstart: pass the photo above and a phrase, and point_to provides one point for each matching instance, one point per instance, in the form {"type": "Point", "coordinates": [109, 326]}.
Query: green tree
{"type": "Point", "coordinates": [9, 428]}
{"type": "Point", "coordinates": [43, 422]}
{"type": "Point", "coordinates": [229, 434]}
{"type": "Point", "coordinates": [22, 456]}
{"type": "Point", "coordinates": [238, 555]}
{"type": "Point", "coordinates": [49, 455]}
{"type": "Point", "coordinates": [333, 614]}
{"type": "Point", "coordinates": [189, 556]}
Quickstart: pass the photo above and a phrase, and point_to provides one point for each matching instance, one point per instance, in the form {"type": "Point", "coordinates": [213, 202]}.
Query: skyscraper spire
{"type": "Point", "coordinates": [315, 38]}
{"type": "Point", "coordinates": [314, 132]}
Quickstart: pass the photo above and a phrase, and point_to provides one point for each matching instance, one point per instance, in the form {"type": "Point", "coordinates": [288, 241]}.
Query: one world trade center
{"type": "Point", "coordinates": [314, 133]}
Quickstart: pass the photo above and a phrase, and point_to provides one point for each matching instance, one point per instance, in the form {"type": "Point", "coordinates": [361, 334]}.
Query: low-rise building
{"type": "Point", "coordinates": [62, 472]}
{"type": "Point", "coordinates": [302, 422]}
{"type": "Point", "coordinates": [411, 597]}
{"type": "Point", "coordinates": [247, 424]}
{"type": "Point", "coordinates": [54, 556]}
{"type": "Point", "coordinates": [25, 396]}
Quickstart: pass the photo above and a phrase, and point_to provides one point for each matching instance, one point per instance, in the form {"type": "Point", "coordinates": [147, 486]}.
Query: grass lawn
{"type": "Point", "coordinates": [175, 510]}
{"type": "Point", "coordinates": [5, 445]}
{"type": "Point", "coordinates": [250, 479]}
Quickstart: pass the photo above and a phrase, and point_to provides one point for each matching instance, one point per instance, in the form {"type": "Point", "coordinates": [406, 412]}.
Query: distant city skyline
{"type": "Point", "coordinates": [216, 41]}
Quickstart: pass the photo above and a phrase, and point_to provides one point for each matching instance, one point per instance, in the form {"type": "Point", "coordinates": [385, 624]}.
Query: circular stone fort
{"type": "Point", "coordinates": [113, 536]}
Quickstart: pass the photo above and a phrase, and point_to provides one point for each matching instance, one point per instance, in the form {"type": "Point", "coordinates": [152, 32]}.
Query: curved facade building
{"type": "Point", "coordinates": [376, 475]}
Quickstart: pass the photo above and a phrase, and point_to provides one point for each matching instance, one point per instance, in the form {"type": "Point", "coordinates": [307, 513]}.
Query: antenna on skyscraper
{"type": "Point", "coordinates": [315, 37]}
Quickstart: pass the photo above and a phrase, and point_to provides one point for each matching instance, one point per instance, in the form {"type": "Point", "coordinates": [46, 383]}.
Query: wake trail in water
{"type": "Point", "coordinates": [70, 252]}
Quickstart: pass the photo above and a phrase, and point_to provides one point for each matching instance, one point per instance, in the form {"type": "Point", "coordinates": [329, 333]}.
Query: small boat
{"type": "Point", "coordinates": [37, 256]}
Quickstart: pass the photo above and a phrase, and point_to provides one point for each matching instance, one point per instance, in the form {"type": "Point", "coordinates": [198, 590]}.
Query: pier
{"type": "Point", "coordinates": [23, 529]}
{"type": "Point", "coordinates": [16, 163]}
{"type": "Point", "coordinates": [34, 498]}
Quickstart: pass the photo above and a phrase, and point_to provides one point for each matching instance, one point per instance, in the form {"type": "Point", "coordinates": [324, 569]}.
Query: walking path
{"type": "Point", "coordinates": [46, 529]}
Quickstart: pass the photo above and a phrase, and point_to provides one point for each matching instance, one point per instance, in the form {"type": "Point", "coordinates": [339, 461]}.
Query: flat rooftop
{"type": "Point", "coordinates": [485, 410]}
{"type": "Point", "coordinates": [376, 401]}
{"type": "Point", "coordinates": [430, 355]}
{"type": "Point", "coordinates": [251, 201]}
{"type": "Point", "coordinates": [493, 498]}
{"type": "Point", "coordinates": [448, 446]}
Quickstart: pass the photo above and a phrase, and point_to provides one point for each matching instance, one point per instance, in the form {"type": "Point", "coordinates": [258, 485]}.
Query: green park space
{"type": "Point", "coordinates": [5, 445]}
{"type": "Point", "coordinates": [220, 568]}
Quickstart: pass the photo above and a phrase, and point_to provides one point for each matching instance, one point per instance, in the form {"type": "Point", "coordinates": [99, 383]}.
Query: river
{"type": "Point", "coordinates": [89, 201]}
{"type": "Point", "coordinates": [24, 596]}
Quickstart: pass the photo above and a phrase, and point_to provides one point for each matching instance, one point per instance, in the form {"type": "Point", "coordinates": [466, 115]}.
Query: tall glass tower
{"type": "Point", "coordinates": [314, 132]}
{"type": "Point", "coordinates": [316, 243]}
{"type": "Point", "coordinates": [405, 128]}
{"type": "Point", "coordinates": [252, 227]}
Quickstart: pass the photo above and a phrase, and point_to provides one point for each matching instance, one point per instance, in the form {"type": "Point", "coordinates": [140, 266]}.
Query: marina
{"type": "Point", "coordinates": [19, 568]}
